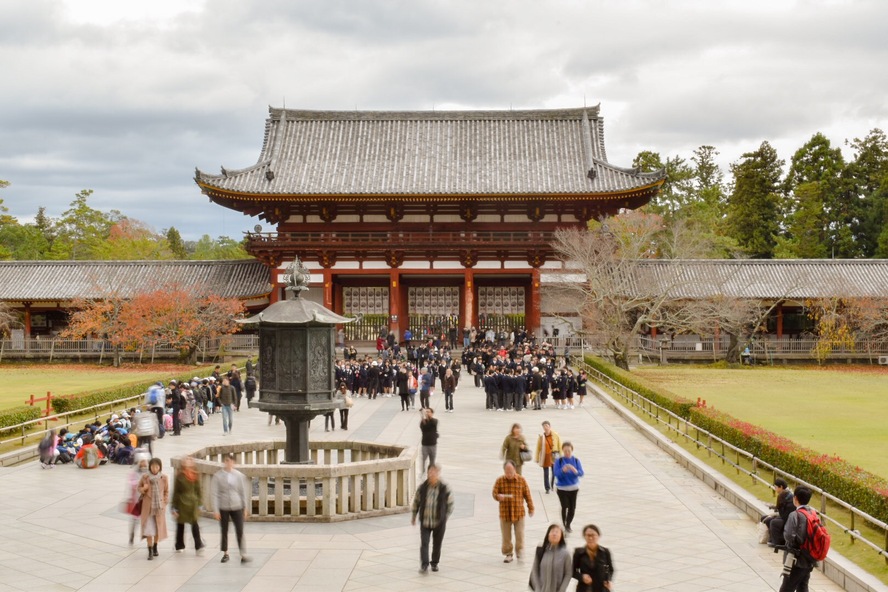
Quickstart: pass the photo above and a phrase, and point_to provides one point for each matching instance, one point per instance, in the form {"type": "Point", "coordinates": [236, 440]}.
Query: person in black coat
{"type": "Point", "coordinates": [593, 567]}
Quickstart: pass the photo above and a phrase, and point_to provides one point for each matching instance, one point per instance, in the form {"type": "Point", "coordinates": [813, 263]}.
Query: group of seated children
{"type": "Point", "coordinates": [94, 445]}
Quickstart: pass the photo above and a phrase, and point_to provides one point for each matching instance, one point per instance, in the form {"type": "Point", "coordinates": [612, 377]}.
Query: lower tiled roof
{"type": "Point", "coordinates": [768, 279]}
{"type": "Point", "coordinates": [69, 280]}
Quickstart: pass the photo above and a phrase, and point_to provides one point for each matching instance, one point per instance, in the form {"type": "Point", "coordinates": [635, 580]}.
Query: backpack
{"type": "Point", "coordinates": [152, 397]}
{"type": "Point", "coordinates": [817, 540]}
{"type": "Point", "coordinates": [90, 457]}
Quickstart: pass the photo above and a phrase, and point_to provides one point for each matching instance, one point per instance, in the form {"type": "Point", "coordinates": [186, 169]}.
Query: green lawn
{"type": "Point", "coordinates": [834, 410]}
{"type": "Point", "coordinates": [21, 380]}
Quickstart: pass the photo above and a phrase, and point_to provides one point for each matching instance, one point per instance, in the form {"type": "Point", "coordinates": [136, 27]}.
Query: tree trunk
{"type": "Point", "coordinates": [115, 361]}
{"type": "Point", "coordinates": [190, 355]}
{"type": "Point", "coordinates": [621, 358]}
{"type": "Point", "coordinates": [732, 355]}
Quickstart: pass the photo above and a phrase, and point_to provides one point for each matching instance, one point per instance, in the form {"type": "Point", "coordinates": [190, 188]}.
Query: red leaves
{"type": "Point", "coordinates": [170, 315]}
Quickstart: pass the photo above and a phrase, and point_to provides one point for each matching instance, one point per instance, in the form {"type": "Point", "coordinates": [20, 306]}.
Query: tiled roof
{"type": "Point", "coordinates": [769, 279]}
{"type": "Point", "coordinates": [68, 280]}
{"type": "Point", "coordinates": [432, 153]}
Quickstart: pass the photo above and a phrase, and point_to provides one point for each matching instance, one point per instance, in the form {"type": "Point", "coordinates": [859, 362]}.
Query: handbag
{"type": "Point", "coordinates": [349, 402]}
{"type": "Point", "coordinates": [525, 455]}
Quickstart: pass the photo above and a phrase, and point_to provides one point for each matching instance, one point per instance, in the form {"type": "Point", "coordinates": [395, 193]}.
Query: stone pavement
{"type": "Point", "coordinates": [62, 531]}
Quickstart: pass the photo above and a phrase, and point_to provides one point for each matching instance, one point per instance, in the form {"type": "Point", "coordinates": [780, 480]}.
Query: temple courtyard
{"type": "Point", "coordinates": [62, 529]}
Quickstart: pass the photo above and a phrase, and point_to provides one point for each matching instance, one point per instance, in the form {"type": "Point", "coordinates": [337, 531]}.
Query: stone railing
{"type": "Point", "coordinates": [348, 480]}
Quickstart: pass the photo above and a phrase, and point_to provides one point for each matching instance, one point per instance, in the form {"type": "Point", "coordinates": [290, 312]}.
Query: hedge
{"type": "Point", "coordinates": [16, 415]}
{"type": "Point", "coordinates": [97, 397]}
{"type": "Point", "coordinates": [850, 483]}
{"type": "Point", "coordinates": [834, 475]}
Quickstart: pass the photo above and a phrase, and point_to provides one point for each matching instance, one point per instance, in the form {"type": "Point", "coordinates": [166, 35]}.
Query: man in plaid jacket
{"type": "Point", "coordinates": [512, 493]}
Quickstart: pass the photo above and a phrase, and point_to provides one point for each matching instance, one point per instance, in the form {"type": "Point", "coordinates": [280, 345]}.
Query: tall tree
{"type": "Point", "coordinates": [207, 249]}
{"type": "Point", "coordinates": [807, 225]}
{"type": "Point", "coordinates": [864, 178]}
{"type": "Point", "coordinates": [818, 221]}
{"type": "Point", "coordinates": [754, 206]}
{"type": "Point", "coordinates": [130, 239]}
{"type": "Point", "coordinates": [677, 191]}
{"type": "Point", "coordinates": [176, 244]}
{"type": "Point", "coordinates": [81, 230]}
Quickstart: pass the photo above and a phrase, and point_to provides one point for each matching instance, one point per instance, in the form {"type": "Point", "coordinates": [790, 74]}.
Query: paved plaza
{"type": "Point", "coordinates": [62, 530]}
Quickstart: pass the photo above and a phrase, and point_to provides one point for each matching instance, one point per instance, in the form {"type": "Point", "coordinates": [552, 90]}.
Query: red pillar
{"type": "Point", "coordinates": [653, 333]}
{"type": "Point", "coordinates": [275, 294]}
{"type": "Point", "coordinates": [328, 289]}
{"type": "Point", "coordinates": [532, 305]}
{"type": "Point", "coordinates": [396, 320]}
{"type": "Point", "coordinates": [779, 320]}
{"type": "Point", "coordinates": [468, 311]}
{"type": "Point", "coordinates": [27, 320]}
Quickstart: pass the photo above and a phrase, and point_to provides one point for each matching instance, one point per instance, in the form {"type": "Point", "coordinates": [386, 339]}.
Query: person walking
{"type": "Point", "coordinates": [512, 493]}
{"type": "Point", "coordinates": [548, 448]}
{"type": "Point", "coordinates": [250, 386]}
{"type": "Point", "coordinates": [347, 403]}
{"type": "Point", "coordinates": [227, 398]}
{"type": "Point", "coordinates": [568, 469]}
{"type": "Point", "coordinates": [433, 503]}
{"type": "Point", "coordinates": [593, 567]}
{"type": "Point", "coordinates": [795, 533]}
{"type": "Point", "coordinates": [425, 387]}
{"type": "Point", "coordinates": [428, 425]}
{"type": "Point", "coordinates": [448, 385]}
{"type": "Point", "coordinates": [133, 499]}
{"type": "Point", "coordinates": [552, 567]}
{"type": "Point", "coordinates": [187, 498]}
{"type": "Point", "coordinates": [403, 382]}
{"type": "Point", "coordinates": [515, 447]}
{"type": "Point", "coordinates": [154, 487]}
{"type": "Point", "coordinates": [231, 499]}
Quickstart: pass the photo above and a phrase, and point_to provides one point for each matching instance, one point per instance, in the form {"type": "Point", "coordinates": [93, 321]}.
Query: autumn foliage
{"type": "Point", "coordinates": [172, 315]}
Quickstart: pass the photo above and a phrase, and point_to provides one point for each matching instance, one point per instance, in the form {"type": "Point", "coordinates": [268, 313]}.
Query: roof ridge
{"type": "Point", "coordinates": [575, 113]}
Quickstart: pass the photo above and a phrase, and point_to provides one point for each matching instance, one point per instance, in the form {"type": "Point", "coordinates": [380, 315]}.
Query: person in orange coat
{"type": "Point", "coordinates": [155, 490]}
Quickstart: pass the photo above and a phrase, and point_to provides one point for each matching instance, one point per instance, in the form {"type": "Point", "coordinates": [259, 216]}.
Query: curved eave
{"type": "Point", "coordinates": [224, 194]}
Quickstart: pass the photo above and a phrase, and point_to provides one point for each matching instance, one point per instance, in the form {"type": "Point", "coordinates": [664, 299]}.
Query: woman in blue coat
{"type": "Point", "coordinates": [568, 471]}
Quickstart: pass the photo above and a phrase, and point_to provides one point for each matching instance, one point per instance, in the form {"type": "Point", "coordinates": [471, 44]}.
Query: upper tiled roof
{"type": "Point", "coordinates": [69, 280]}
{"type": "Point", "coordinates": [432, 153]}
{"type": "Point", "coordinates": [769, 279]}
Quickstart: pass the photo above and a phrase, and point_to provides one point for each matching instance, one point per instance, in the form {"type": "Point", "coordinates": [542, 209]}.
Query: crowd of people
{"type": "Point", "coordinates": [516, 374]}
{"type": "Point", "coordinates": [164, 411]}
{"type": "Point", "coordinates": [553, 566]}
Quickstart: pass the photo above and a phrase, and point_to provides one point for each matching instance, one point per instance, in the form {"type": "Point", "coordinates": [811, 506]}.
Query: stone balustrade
{"type": "Point", "coordinates": [348, 480]}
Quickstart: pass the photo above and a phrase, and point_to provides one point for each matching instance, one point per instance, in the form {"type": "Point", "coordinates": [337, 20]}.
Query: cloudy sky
{"type": "Point", "coordinates": [127, 97]}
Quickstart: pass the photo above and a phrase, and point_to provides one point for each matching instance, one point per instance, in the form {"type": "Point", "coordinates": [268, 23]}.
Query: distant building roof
{"type": "Point", "coordinates": [381, 153]}
{"type": "Point", "coordinates": [769, 279]}
{"type": "Point", "coordinates": [32, 281]}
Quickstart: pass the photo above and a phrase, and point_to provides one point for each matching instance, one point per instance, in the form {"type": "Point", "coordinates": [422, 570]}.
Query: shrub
{"type": "Point", "coordinates": [16, 415]}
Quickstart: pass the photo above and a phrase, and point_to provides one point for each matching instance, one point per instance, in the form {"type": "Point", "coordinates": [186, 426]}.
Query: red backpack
{"type": "Point", "coordinates": [817, 542]}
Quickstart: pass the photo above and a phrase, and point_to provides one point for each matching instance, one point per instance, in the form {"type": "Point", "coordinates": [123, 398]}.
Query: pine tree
{"type": "Point", "coordinates": [176, 244]}
{"type": "Point", "coordinates": [754, 206]}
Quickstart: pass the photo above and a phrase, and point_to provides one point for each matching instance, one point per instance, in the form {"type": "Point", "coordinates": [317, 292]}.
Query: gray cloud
{"type": "Point", "coordinates": [129, 109]}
